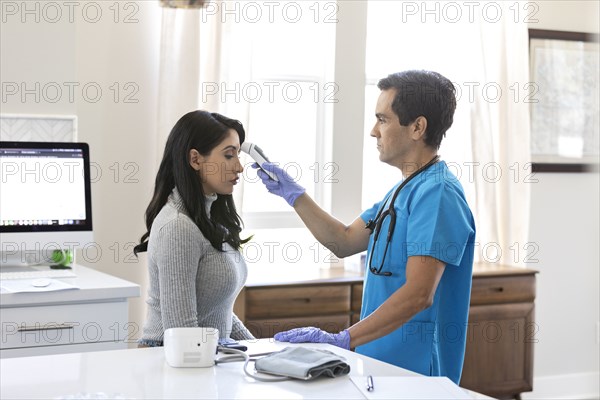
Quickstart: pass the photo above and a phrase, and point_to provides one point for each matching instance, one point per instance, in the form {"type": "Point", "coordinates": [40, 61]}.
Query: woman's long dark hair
{"type": "Point", "coordinates": [202, 131]}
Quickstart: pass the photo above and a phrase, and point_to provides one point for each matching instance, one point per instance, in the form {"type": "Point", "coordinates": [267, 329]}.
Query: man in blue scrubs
{"type": "Point", "coordinates": [419, 238]}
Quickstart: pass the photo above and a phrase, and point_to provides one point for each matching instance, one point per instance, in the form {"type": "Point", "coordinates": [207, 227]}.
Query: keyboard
{"type": "Point", "coordinates": [49, 273]}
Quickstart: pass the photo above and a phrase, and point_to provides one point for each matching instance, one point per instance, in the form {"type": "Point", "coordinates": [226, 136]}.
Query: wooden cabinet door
{"type": "Point", "coordinates": [356, 303]}
{"type": "Point", "coordinates": [283, 302]}
{"type": "Point", "coordinates": [499, 354]}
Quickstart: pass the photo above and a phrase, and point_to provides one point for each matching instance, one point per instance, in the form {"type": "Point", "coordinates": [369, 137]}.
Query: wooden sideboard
{"type": "Point", "coordinates": [500, 335]}
{"type": "Point", "coordinates": [502, 331]}
{"type": "Point", "coordinates": [326, 298]}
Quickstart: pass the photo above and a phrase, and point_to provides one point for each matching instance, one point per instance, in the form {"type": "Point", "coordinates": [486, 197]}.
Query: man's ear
{"type": "Point", "coordinates": [419, 128]}
{"type": "Point", "coordinates": [195, 159]}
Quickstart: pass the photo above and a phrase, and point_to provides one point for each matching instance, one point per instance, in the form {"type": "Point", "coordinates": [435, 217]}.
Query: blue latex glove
{"type": "Point", "coordinates": [315, 335]}
{"type": "Point", "coordinates": [286, 187]}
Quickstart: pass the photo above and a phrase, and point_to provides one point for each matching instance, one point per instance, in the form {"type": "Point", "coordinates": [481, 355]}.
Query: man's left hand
{"type": "Point", "coordinates": [315, 335]}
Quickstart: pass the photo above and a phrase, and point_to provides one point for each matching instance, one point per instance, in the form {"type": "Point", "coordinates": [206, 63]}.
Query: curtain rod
{"type": "Point", "coordinates": [184, 3]}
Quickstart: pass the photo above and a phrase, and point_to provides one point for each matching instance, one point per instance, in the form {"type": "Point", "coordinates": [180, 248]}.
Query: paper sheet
{"type": "Point", "coordinates": [26, 286]}
{"type": "Point", "coordinates": [409, 387]}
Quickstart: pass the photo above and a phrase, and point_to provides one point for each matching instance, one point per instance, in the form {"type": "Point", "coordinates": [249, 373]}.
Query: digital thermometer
{"type": "Point", "coordinates": [257, 154]}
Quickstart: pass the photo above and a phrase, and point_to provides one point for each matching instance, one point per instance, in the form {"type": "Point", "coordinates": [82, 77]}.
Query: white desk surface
{"type": "Point", "coordinates": [93, 286]}
{"type": "Point", "coordinates": [144, 373]}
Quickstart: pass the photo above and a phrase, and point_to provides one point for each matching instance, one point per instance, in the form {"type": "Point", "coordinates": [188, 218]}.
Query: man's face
{"type": "Point", "coordinates": [393, 139]}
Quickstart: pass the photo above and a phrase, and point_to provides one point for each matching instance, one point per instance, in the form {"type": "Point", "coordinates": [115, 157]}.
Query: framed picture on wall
{"type": "Point", "coordinates": [38, 128]}
{"type": "Point", "coordinates": [565, 109]}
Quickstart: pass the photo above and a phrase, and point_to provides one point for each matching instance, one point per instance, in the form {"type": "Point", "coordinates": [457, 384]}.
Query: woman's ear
{"type": "Point", "coordinates": [195, 159]}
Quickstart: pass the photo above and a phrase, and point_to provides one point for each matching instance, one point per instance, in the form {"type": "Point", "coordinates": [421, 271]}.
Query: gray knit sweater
{"type": "Point", "coordinates": [191, 283]}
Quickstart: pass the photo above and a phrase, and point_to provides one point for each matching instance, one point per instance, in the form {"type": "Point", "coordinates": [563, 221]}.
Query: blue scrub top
{"type": "Point", "coordinates": [432, 219]}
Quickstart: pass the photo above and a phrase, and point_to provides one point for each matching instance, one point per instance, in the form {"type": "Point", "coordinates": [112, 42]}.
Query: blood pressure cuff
{"type": "Point", "coordinates": [303, 363]}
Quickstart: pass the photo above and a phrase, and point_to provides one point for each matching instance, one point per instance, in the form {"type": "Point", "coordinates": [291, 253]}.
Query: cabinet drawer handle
{"type": "Point", "coordinates": [46, 327]}
{"type": "Point", "coordinates": [301, 300]}
{"type": "Point", "coordinates": [497, 289]}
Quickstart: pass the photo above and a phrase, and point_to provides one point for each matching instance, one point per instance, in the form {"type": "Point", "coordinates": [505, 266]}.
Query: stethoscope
{"type": "Point", "coordinates": [375, 225]}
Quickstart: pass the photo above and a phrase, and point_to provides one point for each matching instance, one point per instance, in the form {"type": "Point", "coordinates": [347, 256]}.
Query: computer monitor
{"type": "Point", "coordinates": [45, 198]}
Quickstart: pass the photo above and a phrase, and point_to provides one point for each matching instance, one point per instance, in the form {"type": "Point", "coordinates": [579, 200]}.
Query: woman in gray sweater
{"type": "Point", "coordinates": [193, 240]}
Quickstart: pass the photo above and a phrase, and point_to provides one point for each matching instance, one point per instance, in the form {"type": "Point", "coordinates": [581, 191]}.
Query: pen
{"type": "Point", "coordinates": [370, 386]}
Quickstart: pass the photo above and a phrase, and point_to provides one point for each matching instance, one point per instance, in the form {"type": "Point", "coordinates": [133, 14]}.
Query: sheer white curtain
{"type": "Point", "coordinates": [190, 64]}
{"type": "Point", "coordinates": [190, 54]}
{"type": "Point", "coordinates": [179, 74]}
{"type": "Point", "coordinates": [500, 141]}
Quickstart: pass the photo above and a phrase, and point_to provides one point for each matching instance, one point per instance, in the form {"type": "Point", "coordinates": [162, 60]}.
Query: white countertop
{"type": "Point", "coordinates": [93, 286]}
{"type": "Point", "coordinates": [144, 373]}
{"type": "Point", "coordinates": [269, 275]}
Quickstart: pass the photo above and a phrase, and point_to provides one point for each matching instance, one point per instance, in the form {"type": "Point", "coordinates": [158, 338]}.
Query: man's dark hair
{"type": "Point", "coordinates": [423, 93]}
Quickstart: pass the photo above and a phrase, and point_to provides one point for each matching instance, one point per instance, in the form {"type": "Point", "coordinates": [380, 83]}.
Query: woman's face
{"type": "Point", "coordinates": [220, 170]}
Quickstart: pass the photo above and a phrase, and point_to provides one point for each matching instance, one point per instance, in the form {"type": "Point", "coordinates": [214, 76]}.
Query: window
{"type": "Point", "coordinates": [402, 36]}
{"type": "Point", "coordinates": [278, 82]}
{"type": "Point", "coordinates": [277, 78]}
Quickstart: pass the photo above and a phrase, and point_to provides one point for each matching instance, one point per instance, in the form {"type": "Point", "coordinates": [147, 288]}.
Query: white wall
{"type": "Point", "coordinates": [78, 45]}
{"type": "Point", "coordinates": [565, 225]}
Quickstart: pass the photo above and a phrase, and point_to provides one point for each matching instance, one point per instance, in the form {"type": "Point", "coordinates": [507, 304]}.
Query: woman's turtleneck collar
{"type": "Point", "coordinates": [177, 201]}
{"type": "Point", "coordinates": [209, 199]}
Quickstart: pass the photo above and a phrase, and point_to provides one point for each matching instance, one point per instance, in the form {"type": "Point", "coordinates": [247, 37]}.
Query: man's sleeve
{"type": "Point", "coordinates": [439, 224]}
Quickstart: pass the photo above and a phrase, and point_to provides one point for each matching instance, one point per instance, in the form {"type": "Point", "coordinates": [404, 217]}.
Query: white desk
{"type": "Point", "coordinates": [144, 373]}
{"type": "Point", "coordinates": [93, 317]}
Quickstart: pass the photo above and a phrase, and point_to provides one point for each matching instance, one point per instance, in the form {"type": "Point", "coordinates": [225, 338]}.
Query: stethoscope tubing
{"type": "Point", "coordinates": [375, 225]}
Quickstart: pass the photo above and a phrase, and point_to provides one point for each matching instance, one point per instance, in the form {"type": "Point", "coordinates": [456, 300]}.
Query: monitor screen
{"type": "Point", "coordinates": [45, 196]}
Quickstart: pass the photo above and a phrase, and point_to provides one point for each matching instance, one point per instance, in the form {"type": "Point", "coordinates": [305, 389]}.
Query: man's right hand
{"type": "Point", "coordinates": [286, 187]}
